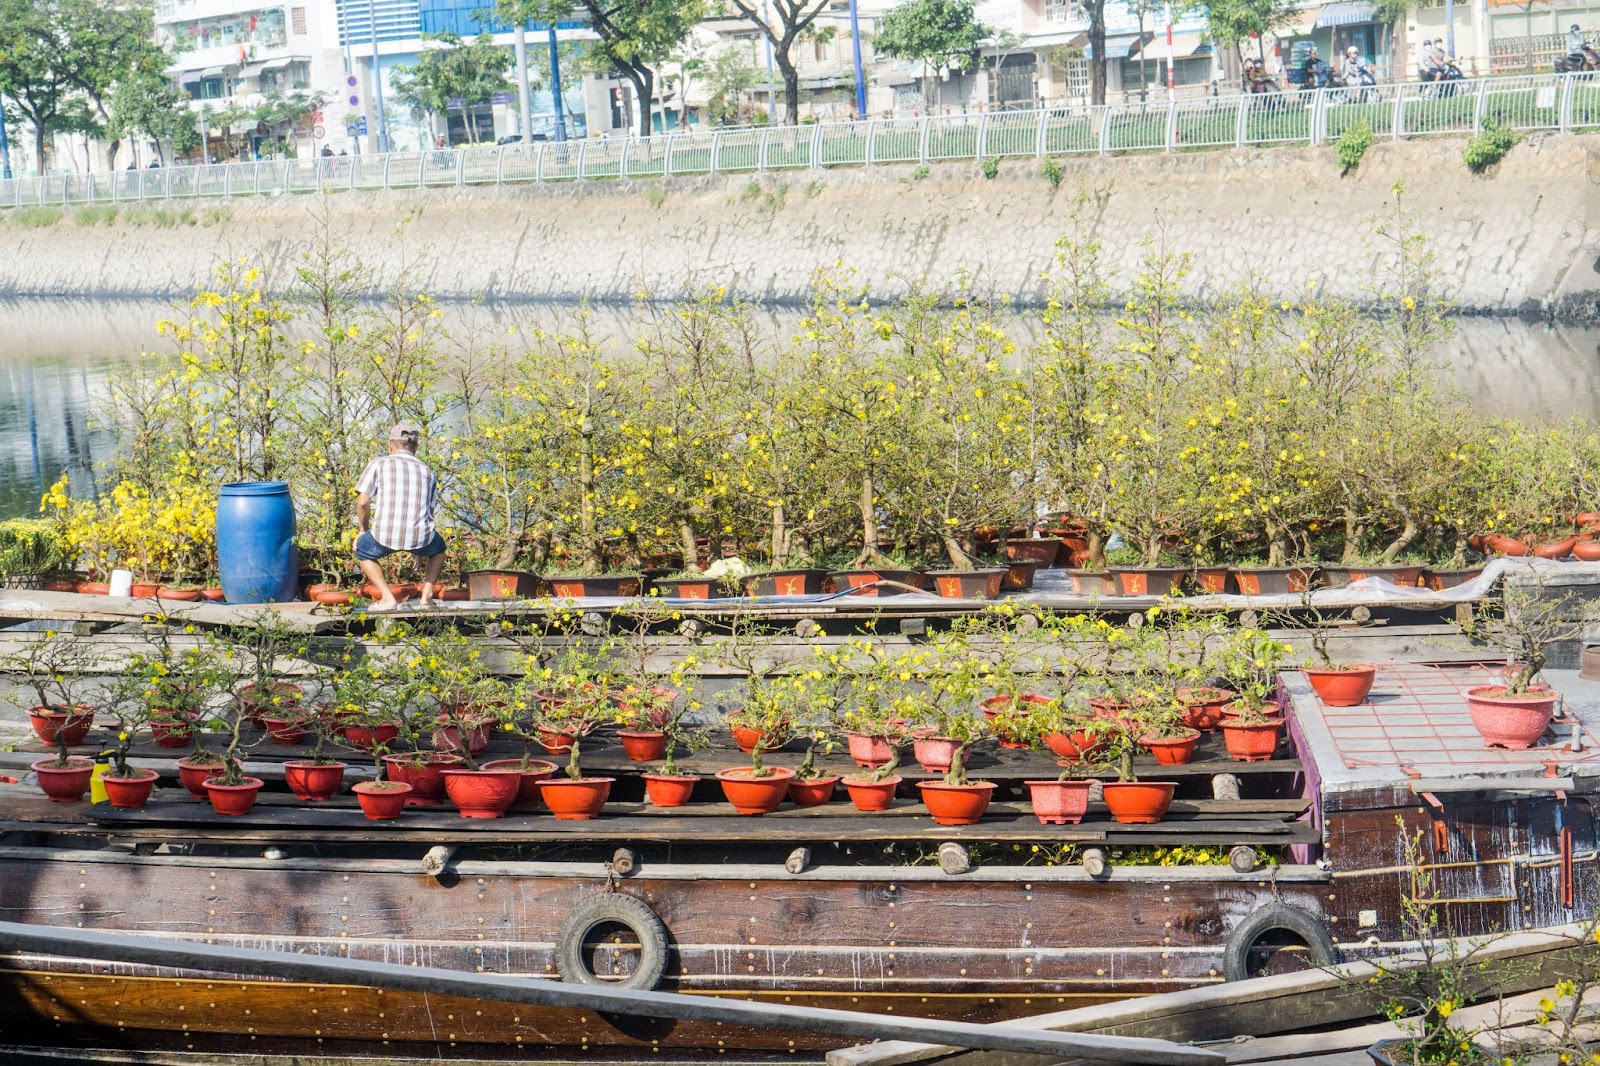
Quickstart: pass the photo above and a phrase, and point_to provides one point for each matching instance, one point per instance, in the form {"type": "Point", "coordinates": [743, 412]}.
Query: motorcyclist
{"type": "Point", "coordinates": [1356, 72]}
{"type": "Point", "coordinates": [1428, 66]}
{"type": "Point", "coordinates": [1313, 70]}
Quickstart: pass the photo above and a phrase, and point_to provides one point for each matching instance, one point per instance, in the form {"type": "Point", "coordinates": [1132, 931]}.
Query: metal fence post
{"type": "Point", "coordinates": [922, 139]}
{"type": "Point", "coordinates": [868, 153]}
{"type": "Point", "coordinates": [386, 170]}
{"type": "Point", "coordinates": [288, 176]}
{"type": "Point", "coordinates": [89, 188]}
{"type": "Point", "coordinates": [1241, 121]}
{"type": "Point", "coordinates": [716, 146]}
{"type": "Point", "coordinates": [622, 160]}
{"type": "Point", "coordinates": [1399, 121]}
{"type": "Point", "coordinates": [666, 158]}
{"type": "Point", "coordinates": [1105, 127]}
{"type": "Point", "coordinates": [461, 168]}
{"type": "Point", "coordinates": [500, 165]}
{"type": "Point", "coordinates": [1043, 119]}
{"type": "Point", "coordinates": [1172, 124]}
{"type": "Point", "coordinates": [1319, 116]}
{"type": "Point", "coordinates": [168, 177]}
{"type": "Point", "coordinates": [981, 149]}
{"type": "Point", "coordinates": [422, 169]}
{"type": "Point", "coordinates": [1477, 105]}
{"type": "Point", "coordinates": [538, 164]}
{"type": "Point", "coordinates": [816, 147]}
{"type": "Point", "coordinates": [1564, 101]}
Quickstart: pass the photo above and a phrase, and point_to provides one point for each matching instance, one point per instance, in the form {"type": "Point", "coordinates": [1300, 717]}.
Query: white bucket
{"type": "Point", "coordinates": [121, 583]}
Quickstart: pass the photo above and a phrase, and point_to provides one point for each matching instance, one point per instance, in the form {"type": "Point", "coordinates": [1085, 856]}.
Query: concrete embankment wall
{"type": "Point", "coordinates": [1523, 238]}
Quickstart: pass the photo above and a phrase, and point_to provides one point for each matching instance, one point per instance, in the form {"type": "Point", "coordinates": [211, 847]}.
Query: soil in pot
{"type": "Point", "coordinates": [482, 793]}
{"type": "Point", "coordinates": [668, 791]}
{"type": "Point", "coordinates": [1059, 802]}
{"type": "Point", "coordinates": [426, 777]}
{"type": "Point", "coordinates": [644, 746]}
{"type": "Point", "coordinates": [1251, 742]}
{"type": "Point", "coordinates": [802, 582]}
{"type": "Point", "coordinates": [381, 801]}
{"type": "Point", "coordinates": [314, 782]}
{"type": "Point", "coordinates": [1149, 580]}
{"type": "Point", "coordinates": [131, 791]}
{"type": "Point", "coordinates": [933, 754]}
{"type": "Point", "coordinates": [956, 804]}
{"type": "Point", "coordinates": [750, 794]}
{"type": "Point", "coordinates": [573, 801]}
{"type": "Point", "coordinates": [1274, 581]}
{"type": "Point", "coordinates": [233, 800]}
{"type": "Point", "coordinates": [1515, 722]}
{"type": "Point", "coordinates": [869, 795]}
{"type": "Point", "coordinates": [1138, 802]}
{"type": "Point", "coordinates": [1346, 686]}
{"type": "Point", "coordinates": [64, 784]}
{"type": "Point", "coordinates": [1172, 751]}
{"type": "Point", "coordinates": [968, 584]}
{"type": "Point", "coordinates": [537, 770]}
{"type": "Point", "coordinates": [812, 793]}
{"type": "Point", "coordinates": [73, 727]}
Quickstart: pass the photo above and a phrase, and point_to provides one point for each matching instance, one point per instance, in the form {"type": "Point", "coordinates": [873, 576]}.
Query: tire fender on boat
{"type": "Point", "coordinates": [612, 907]}
{"type": "Point", "coordinates": [1302, 925]}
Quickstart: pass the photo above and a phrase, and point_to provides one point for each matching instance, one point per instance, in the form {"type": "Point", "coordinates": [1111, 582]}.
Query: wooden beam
{"type": "Point", "coordinates": [161, 951]}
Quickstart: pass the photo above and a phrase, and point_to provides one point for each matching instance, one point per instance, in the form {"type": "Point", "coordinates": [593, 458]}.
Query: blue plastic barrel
{"type": "Point", "coordinates": [255, 542]}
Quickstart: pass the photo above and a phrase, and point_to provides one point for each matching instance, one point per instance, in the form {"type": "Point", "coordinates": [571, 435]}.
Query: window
{"type": "Point", "coordinates": [297, 19]}
{"type": "Point", "coordinates": [1057, 10]}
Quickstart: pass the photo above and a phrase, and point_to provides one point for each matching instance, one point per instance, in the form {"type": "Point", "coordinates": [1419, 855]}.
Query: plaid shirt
{"type": "Point", "coordinates": [402, 490]}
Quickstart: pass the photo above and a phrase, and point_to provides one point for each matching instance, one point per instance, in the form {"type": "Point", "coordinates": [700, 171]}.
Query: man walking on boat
{"type": "Point", "coordinates": [402, 489]}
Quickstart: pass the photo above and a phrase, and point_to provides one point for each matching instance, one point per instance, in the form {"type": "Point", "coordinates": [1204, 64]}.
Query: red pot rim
{"type": "Point", "coordinates": [437, 759]}
{"type": "Point", "coordinates": [1357, 668]}
{"type": "Point", "coordinates": [670, 777]}
{"type": "Point", "coordinates": [1481, 692]}
{"type": "Point", "coordinates": [307, 764]}
{"type": "Point", "coordinates": [1194, 734]}
{"type": "Point", "coordinates": [556, 781]}
{"type": "Point", "coordinates": [1069, 783]}
{"type": "Point", "coordinates": [830, 779]}
{"type": "Point", "coordinates": [646, 733]}
{"type": "Point", "coordinates": [249, 783]}
{"type": "Point", "coordinates": [1169, 785]}
{"type": "Point", "coordinates": [862, 781]}
{"type": "Point", "coordinates": [76, 762]}
{"type": "Point", "coordinates": [390, 788]}
{"type": "Point", "coordinates": [535, 766]}
{"type": "Point", "coordinates": [745, 773]}
{"type": "Point", "coordinates": [971, 786]}
{"type": "Point", "coordinates": [139, 775]}
{"type": "Point", "coordinates": [498, 771]}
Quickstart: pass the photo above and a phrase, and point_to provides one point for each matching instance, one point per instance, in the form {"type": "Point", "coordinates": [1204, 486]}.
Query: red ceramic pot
{"type": "Point", "coordinates": [1059, 802]}
{"type": "Point", "coordinates": [143, 590]}
{"type": "Point", "coordinates": [1172, 751]}
{"type": "Point", "coordinates": [871, 795]}
{"type": "Point", "coordinates": [1138, 802]}
{"type": "Point", "coordinates": [1510, 721]}
{"type": "Point", "coordinates": [1251, 743]}
{"type": "Point", "coordinates": [869, 751]}
{"type": "Point", "coordinates": [812, 793]}
{"type": "Point", "coordinates": [330, 597]}
{"type": "Point", "coordinates": [285, 730]}
{"type": "Point", "coordinates": [536, 771]}
{"type": "Point", "coordinates": [72, 728]}
{"type": "Point", "coordinates": [1074, 747]}
{"type": "Point", "coordinates": [934, 754]}
{"type": "Point", "coordinates": [1345, 687]}
{"type": "Point", "coordinates": [643, 747]}
{"type": "Point", "coordinates": [556, 742]}
{"type": "Point", "coordinates": [94, 588]}
{"type": "Point", "coordinates": [213, 595]}
{"type": "Point", "coordinates": [448, 738]}
{"type": "Point", "coordinates": [172, 734]}
{"type": "Point", "coordinates": [1503, 545]}
{"type": "Point", "coordinates": [1555, 549]}
{"type": "Point", "coordinates": [482, 793]}
{"type": "Point", "coordinates": [1212, 579]}
{"type": "Point", "coordinates": [313, 781]}
{"type": "Point", "coordinates": [425, 777]}
{"type": "Point", "coordinates": [1203, 706]}
{"type": "Point", "coordinates": [193, 776]}
{"type": "Point", "coordinates": [178, 595]}
{"type": "Point", "coordinates": [575, 801]}
{"type": "Point", "coordinates": [381, 801]}
{"type": "Point", "coordinates": [667, 791]}
{"type": "Point", "coordinates": [366, 738]}
{"type": "Point", "coordinates": [956, 804]}
{"type": "Point", "coordinates": [1587, 551]}
{"type": "Point", "coordinates": [1149, 581]}
{"type": "Point", "coordinates": [64, 784]}
{"type": "Point", "coordinates": [1040, 550]}
{"type": "Point", "coordinates": [233, 800]}
{"type": "Point", "coordinates": [131, 791]}
{"type": "Point", "coordinates": [755, 795]}
{"type": "Point", "coordinates": [748, 738]}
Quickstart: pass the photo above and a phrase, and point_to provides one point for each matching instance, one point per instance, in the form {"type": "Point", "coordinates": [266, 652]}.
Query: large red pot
{"type": "Point", "coordinates": [1555, 549]}
{"type": "Point", "coordinates": [665, 791]}
{"type": "Point", "coordinates": [870, 795]}
{"type": "Point", "coordinates": [956, 804]}
{"type": "Point", "coordinates": [1074, 747]}
{"type": "Point", "coordinates": [482, 793]}
{"type": "Point", "coordinates": [1203, 706]}
{"type": "Point", "coordinates": [1172, 751]}
{"type": "Point", "coordinates": [555, 741]}
{"type": "Point", "coordinates": [64, 784]}
{"type": "Point", "coordinates": [313, 781]}
{"type": "Point", "coordinates": [536, 771]}
{"type": "Point", "coordinates": [869, 750]}
{"type": "Point", "coordinates": [131, 791]}
{"type": "Point", "coordinates": [812, 793]}
{"type": "Point", "coordinates": [285, 730]}
{"type": "Point", "coordinates": [72, 728]}
{"type": "Point", "coordinates": [934, 754]}
{"type": "Point", "coordinates": [1059, 802]}
{"type": "Point", "coordinates": [755, 795]}
{"type": "Point", "coordinates": [573, 801]}
{"type": "Point", "coordinates": [381, 801]}
{"type": "Point", "coordinates": [1041, 550]}
{"type": "Point", "coordinates": [193, 776]}
{"type": "Point", "coordinates": [1587, 551]}
{"type": "Point", "coordinates": [1138, 802]}
{"type": "Point", "coordinates": [171, 734]}
{"type": "Point", "coordinates": [1503, 545]}
{"type": "Point", "coordinates": [1344, 687]}
{"type": "Point", "coordinates": [367, 738]}
{"type": "Point", "coordinates": [426, 777]}
{"type": "Point", "coordinates": [1251, 743]}
{"type": "Point", "coordinates": [233, 800]}
{"type": "Point", "coordinates": [1510, 721]}
{"type": "Point", "coordinates": [448, 738]}
{"type": "Point", "coordinates": [642, 747]}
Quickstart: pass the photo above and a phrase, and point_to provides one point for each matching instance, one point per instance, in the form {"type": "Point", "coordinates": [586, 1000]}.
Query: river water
{"type": "Point", "coordinates": [55, 356]}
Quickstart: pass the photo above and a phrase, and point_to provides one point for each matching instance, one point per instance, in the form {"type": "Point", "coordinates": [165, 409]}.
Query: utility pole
{"type": "Point", "coordinates": [855, 42]}
{"type": "Point", "coordinates": [5, 145]}
{"type": "Point", "coordinates": [772, 86]}
{"type": "Point", "coordinates": [377, 76]}
{"type": "Point", "coordinates": [349, 76]}
{"type": "Point", "coordinates": [555, 83]}
{"type": "Point", "coordinates": [524, 97]}
{"type": "Point", "coordinates": [1172, 60]}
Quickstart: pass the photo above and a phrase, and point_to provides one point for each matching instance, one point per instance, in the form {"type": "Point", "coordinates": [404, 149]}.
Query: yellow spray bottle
{"type": "Point", "coordinates": [97, 788]}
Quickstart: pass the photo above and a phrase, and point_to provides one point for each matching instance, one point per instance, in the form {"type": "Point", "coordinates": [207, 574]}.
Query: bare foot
{"type": "Point", "coordinates": [425, 602]}
{"type": "Point", "coordinates": [386, 604]}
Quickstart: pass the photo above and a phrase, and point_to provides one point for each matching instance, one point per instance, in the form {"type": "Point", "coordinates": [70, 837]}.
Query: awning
{"type": "Point", "coordinates": [1184, 45]}
{"type": "Point", "coordinates": [189, 77]}
{"type": "Point", "coordinates": [212, 72]}
{"type": "Point", "coordinates": [1347, 13]}
{"type": "Point", "coordinates": [250, 70]}
{"type": "Point", "coordinates": [1063, 38]}
{"type": "Point", "coordinates": [902, 74]}
{"type": "Point", "coordinates": [1119, 47]}
{"type": "Point", "coordinates": [1305, 20]}
{"type": "Point", "coordinates": [279, 64]}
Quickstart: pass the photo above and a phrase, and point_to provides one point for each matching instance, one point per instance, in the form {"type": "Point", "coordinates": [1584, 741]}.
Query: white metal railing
{"type": "Point", "coordinates": [1524, 103]}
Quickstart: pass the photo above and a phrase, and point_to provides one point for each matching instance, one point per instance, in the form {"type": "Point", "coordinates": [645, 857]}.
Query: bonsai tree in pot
{"type": "Point", "coordinates": [1336, 684]}
{"type": "Point", "coordinates": [1074, 733]}
{"type": "Point", "coordinates": [125, 703]}
{"type": "Point", "coordinates": [572, 796]}
{"type": "Point", "coordinates": [1253, 722]}
{"type": "Point", "coordinates": [519, 713]}
{"type": "Point", "coordinates": [260, 644]}
{"type": "Point", "coordinates": [673, 784]}
{"type": "Point", "coordinates": [230, 790]}
{"type": "Point", "coordinates": [53, 664]}
{"type": "Point", "coordinates": [318, 776]}
{"type": "Point", "coordinates": [812, 786]}
{"type": "Point", "coordinates": [768, 713]}
{"type": "Point", "coordinates": [647, 698]}
{"type": "Point", "coordinates": [957, 800]}
{"type": "Point", "coordinates": [1128, 798]}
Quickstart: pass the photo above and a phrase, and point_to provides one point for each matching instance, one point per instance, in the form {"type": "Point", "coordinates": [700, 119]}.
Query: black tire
{"type": "Point", "coordinates": [623, 910]}
{"type": "Point", "coordinates": [1276, 917]}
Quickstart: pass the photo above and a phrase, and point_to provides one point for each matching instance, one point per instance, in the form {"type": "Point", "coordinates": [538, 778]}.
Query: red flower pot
{"type": "Point", "coordinates": [366, 738]}
{"type": "Point", "coordinates": [812, 793]}
{"type": "Point", "coordinates": [1345, 687]}
{"type": "Point", "coordinates": [285, 730]}
{"type": "Point", "coordinates": [178, 595]}
{"type": "Point", "coordinates": [448, 738]}
{"type": "Point", "coordinates": [193, 776]}
{"type": "Point", "coordinates": [143, 590]}
{"type": "Point", "coordinates": [871, 795]}
{"type": "Point", "coordinates": [643, 747]}
{"type": "Point", "coordinates": [1172, 751]}
{"type": "Point", "coordinates": [667, 791]}
{"type": "Point", "coordinates": [1503, 545]}
{"type": "Point", "coordinates": [482, 793]}
{"type": "Point", "coordinates": [233, 800]}
{"type": "Point", "coordinates": [1059, 802]}
{"type": "Point", "coordinates": [1587, 551]}
{"type": "Point", "coordinates": [1074, 747]}
{"type": "Point", "coordinates": [213, 595]}
{"type": "Point", "coordinates": [330, 597]}
{"type": "Point", "coordinates": [426, 777]}
{"type": "Point", "coordinates": [171, 734]}
{"type": "Point", "coordinates": [1203, 706]}
{"type": "Point", "coordinates": [574, 801]}
{"type": "Point", "coordinates": [956, 804]}
{"type": "Point", "coordinates": [64, 784]}
{"type": "Point", "coordinates": [556, 742]}
{"type": "Point", "coordinates": [94, 588]}
{"type": "Point", "coordinates": [1251, 743]}
{"type": "Point", "coordinates": [933, 754]}
{"type": "Point", "coordinates": [1273, 581]}
{"type": "Point", "coordinates": [313, 781]}
{"type": "Point", "coordinates": [1138, 802]}
{"type": "Point", "coordinates": [131, 791]}
{"type": "Point", "coordinates": [748, 738]}
{"type": "Point", "coordinates": [71, 727]}
{"type": "Point", "coordinates": [786, 583]}
{"type": "Point", "coordinates": [1216, 580]}
{"type": "Point", "coordinates": [536, 771]}
{"type": "Point", "coordinates": [622, 585]}
{"type": "Point", "coordinates": [1040, 550]}
{"type": "Point", "coordinates": [1149, 581]}
{"type": "Point", "coordinates": [1510, 721]}
{"type": "Point", "coordinates": [755, 795]}
{"type": "Point", "coordinates": [869, 751]}
{"type": "Point", "coordinates": [1555, 549]}
{"type": "Point", "coordinates": [381, 801]}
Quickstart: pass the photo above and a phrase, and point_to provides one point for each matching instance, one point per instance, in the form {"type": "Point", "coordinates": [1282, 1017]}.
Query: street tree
{"type": "Point", "coordinates": [147, 103]}
{"type": "Point", "coordinates": [936, 33]}
{"type": "Point", "coordinates": [454, 74]}
{"type": "Point", "coordinates": [1234, 22]}
{"type": "Point", "coordinates": [782, 23]}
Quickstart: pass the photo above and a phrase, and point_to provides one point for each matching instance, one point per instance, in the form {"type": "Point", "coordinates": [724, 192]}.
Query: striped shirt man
{"type": "Point", "coordinates": [402, 490]}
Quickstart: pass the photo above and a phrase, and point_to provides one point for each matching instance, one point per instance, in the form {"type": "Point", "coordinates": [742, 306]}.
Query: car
{"type": "Point", "coordinates": [516, 138]}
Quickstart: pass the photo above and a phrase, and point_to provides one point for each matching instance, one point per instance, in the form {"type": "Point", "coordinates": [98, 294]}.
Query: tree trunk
{"type": "Point", "coordinates": [691, 551]}
{"type": "Point", "coordinates": [869, 525]}
{"type": "Point", "coordinates": [959, 559]}
{"type": "Point", "coordinates": [1097, 551]}
{"type": "Point", "coordinates": [780, 536]}
{"type": "Point", "coordinates": [1152, 550]}
{"type": "Point", "coordinates": [1352, 538]}
{"type": "Point", "coordinates": [1097, 44]}
{"type": "Point", "coordinates": [1408, 533]}
{"type": "Point", "coordinates": [586, 516]}
{"type": "Point", "coordinates": [791, 83]}
{"type": "Point", "coordinates": [38, 148]}
{"type": "Point", "coordinates": [643, 81]}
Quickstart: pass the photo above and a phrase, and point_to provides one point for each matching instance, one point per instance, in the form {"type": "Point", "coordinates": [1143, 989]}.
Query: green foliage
{"type": "Point", "coordinates": [36, 217]}
{"type": "Point", "coordinates": [30, 547]}
{"type": "Point", "coordinates": [931, 31]}
{"type": "Point", "coordinates": [655, 196]}
{"type": "Point", "coordinates": [921, 171]}
{"type": "Point", "coordinates": [1488, 147]}
{"type": "Point", "coordinates": [1234, 21]}
{"type": "Point", "coordinates": [95, 215]}
{"type": "Point", "coordinates": [991, 167]}
{"type": "Point", "coordinates": [454, 73]}
{"type": "Point", "coordinates": [1051, 169]}
{"type": "Point", "coordinates": [1352, 145]}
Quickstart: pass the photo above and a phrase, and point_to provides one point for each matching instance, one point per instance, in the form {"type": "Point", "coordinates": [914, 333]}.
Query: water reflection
{"type": "Point", "coordinates": [55, 356]}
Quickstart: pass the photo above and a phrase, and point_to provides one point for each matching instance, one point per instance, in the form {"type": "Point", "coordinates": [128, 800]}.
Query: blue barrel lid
{"type": "Point", "coordinates": [255, 488]}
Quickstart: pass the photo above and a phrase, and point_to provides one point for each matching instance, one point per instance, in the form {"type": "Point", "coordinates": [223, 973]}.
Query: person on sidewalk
{"type": "Point", "coordinates": [402, 490]}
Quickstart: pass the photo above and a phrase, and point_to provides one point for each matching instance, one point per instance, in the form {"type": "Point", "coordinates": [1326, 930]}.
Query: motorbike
{"type": "Point", "coordinates": [1588, 59]}
{"type": "Point", "coordinates": [1318, 75]}
{"type": "Point", "coordinates": [1361, 87]}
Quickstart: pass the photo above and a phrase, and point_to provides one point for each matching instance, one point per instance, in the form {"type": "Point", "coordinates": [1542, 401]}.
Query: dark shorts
{"type": "Point", "coordinates": [368, 548]}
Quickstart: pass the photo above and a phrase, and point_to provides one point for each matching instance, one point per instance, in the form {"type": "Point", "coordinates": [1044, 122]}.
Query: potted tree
{"type": "Point", "coordinates": [1253, 723]}
{"type": "Point", "coordinates": [127, 786]}
{"type": "Point", "coordinates": [672, 785]}
{"type": "Point", "coordinates": [53, 664]}
{"type": "Point", "coordinates": [259, 644]}
{"type": "Point", "coordinates": [957, 800]}
{"type": "Point", "coordinates": [811, 785]}
{"type": "Point", "coordinates": [1129, 799]}
{"type": "Point", "coordinates": [574, 797]}
{"type": "Point", "coordinates": [1336, 684]}
{"type": "Point", "coordinates": [317, 778]}
{"type": "Point", "coordinates": [230, 790]}
{"type": "Point", "coordinates": [381, 799]}
{"type": "Point", "coordinates": [519, 714]}
{"type": "Point", "coordinates": [767, 722]}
